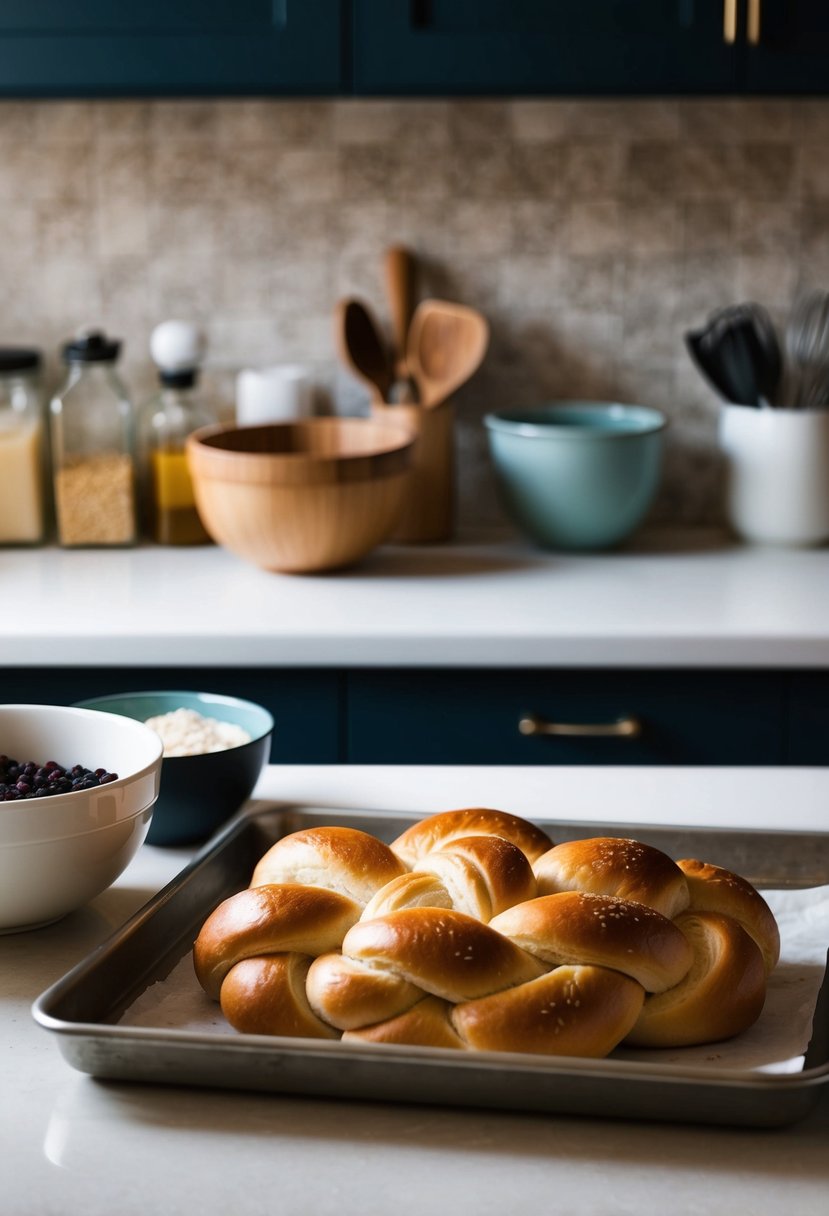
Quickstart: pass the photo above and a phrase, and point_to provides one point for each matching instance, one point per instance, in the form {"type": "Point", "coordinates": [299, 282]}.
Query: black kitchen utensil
{"type": "Point", "coordinates": [739, 354]}
{"type": "Point", "coordinates": [807, 344]}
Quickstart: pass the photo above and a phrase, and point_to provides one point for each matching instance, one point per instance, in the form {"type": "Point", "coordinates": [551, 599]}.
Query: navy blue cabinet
{"type": "Point", "coordinates": [809, 719]}
{"type": "Point", "coordinates": [566, 717]}
{"type": "Point", "coordinates": [787, 47]}
{"type": "Point", "coordinates": [570, 47]}
{"type": "Point", "coordinates": [495, 716]}
{"type": "Point", "coordinates": [306, 705]}
{"type": "Point", "coordinates": [89, 48]}
{"type": "Point", "coordinates": [52, 48]}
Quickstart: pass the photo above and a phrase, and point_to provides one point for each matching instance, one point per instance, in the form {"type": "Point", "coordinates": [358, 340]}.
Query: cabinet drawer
{"type": "Point", "coordinates": [160, 48]}
{"type": "Point", "coordinates": [305, 704]}
{"type": "Point", "coordinates": [809, 718]}
{"type": "Point", "coordinates": [527, 47]}
{"type": "Point", "coordinates": [474, 717]}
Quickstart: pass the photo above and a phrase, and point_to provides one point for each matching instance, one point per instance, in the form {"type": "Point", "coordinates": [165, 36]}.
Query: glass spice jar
{"type": "Point", "coordinates": [22, 453]}
{"type": "Point", "coordinates": [165, 421]}
{"type": "Point", "coordinates": [92, 448]}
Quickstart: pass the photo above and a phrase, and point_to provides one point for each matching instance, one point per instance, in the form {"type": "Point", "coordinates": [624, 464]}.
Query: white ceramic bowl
{"type": "Point", "coordinates": [58, 853]}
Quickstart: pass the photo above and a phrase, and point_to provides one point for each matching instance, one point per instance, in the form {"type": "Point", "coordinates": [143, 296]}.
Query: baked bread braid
{"type": "Point", "coordinates": [478, 875]}
{"type": "Point", "coordinates": [266, 995]}
{"type": "Point", "coordinates": [276, 919]}
{"type": "Point", "coordinates": [571, 1011]}
{"type": "Point", "coordinates": [464, 950]}
{"type": "Point", "coordinates": [610, 865]}
{"type": "Point", "coordinates": [426, 1024]}
{"type": "Point", "coordinates": [342, 859]}
{"type": "Point", "coordinates": [425, 950]}
{"type": "Point", "coordinates": [573, 927]}
{"type": "Point", "coordinates": [523, 1000]}
{"type": "Point", "coordinates": [721, 995]}
{"type": "Point", "coordinates": [253, 952]}
{"type": "Point", "coordinates": [439, 830]}
{"type": "Point", "coordinates": [714, 889]}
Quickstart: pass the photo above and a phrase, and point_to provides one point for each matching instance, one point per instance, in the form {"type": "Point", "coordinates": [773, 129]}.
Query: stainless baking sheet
{"type": "Point", "coordinates": [84, 1008]}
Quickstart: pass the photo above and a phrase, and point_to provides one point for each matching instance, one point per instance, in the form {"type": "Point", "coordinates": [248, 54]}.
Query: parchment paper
{"type": "Point", "coordinates": [775, 1044]}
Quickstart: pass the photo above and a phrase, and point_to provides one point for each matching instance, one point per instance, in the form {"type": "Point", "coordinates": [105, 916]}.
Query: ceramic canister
{"type": "Point", "coordinates": [777, 474]}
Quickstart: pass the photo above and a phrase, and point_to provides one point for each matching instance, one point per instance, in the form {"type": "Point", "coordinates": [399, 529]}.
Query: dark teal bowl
{"type": "Point", "coordinates": [198, 793]}
{"type": "Point", "coordinates": [577, 474]}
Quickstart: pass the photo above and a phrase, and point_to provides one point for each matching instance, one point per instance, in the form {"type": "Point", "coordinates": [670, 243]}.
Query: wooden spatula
{"type": "Point", "coordinates": [446, 346]}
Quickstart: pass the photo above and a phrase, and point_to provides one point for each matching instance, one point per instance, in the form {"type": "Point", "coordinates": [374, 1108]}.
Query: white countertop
{"type": "Point", "coordinates": [670, 599]}
{"type": "Point", "coordinates": [75, 1146]}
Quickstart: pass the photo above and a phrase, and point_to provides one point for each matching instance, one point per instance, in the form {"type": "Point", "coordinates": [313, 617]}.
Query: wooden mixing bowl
{"type": "Point", "coordinates": [301, 496]}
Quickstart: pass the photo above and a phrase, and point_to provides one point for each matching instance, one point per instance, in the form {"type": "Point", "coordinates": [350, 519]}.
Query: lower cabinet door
{"type": "Point", "coordinates": [305, 704]}
{"type": "Point", "coordinates": [809, 718]}
{"type": "Point", "coordinates": [565, 717]}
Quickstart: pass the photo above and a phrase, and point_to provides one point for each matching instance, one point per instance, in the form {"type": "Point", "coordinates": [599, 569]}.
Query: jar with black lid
{"type": "Point", "coordinates": [22, 513]}
{"type": "Point", "coordinates": [93, 461]}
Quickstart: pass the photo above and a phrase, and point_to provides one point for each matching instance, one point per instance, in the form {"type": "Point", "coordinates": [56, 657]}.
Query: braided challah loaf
{"type": "Point", "coordinates": [439, 830]}
{"type": "Point", "coordinates": [473, 931]}
{"type": "Point", "coordinates": [311, 887]}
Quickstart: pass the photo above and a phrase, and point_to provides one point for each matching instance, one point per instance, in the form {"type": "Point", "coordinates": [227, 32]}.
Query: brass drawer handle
{"type": "Point", "coordinates": [754, 23]}
{"type": "Point", "coordinates": [622, 728]}
{"type": "Point", "coordinates": [729, 21]}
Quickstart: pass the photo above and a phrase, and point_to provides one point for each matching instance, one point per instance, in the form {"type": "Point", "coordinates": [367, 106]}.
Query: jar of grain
{"type": "Point", "coordinates": [21, 448]}
{"type": "Point", "coordinates": [93, 461]}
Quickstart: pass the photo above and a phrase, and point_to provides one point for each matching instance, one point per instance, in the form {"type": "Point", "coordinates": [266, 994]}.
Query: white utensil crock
{"type": "Point", "coordinates": [777, 475]}
{"type": "Point", "coordinates": [274, 394]}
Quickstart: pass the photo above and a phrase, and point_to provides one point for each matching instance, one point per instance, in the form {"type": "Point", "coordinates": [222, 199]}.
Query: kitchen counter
{"type": "Point", "coordinates": [669, 599]}
{"type": "Point", "coordinates": [74, 1145]}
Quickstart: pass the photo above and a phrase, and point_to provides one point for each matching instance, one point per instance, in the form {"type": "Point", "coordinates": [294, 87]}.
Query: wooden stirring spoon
{"type": "Point", "coordinates": [446, 346]}
{"type": "Point", "coordinates": [400, 267]}
{"type": "Point", "coordinates": [362, 349]}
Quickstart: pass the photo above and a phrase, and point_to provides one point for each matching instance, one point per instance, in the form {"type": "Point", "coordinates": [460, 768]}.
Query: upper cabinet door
{"type": "Point", "coordinates": [787, 47]}
{"type": "Point", "coordinates": [53, 48]}
{"type": "Point", "coordinates": [586, 47]}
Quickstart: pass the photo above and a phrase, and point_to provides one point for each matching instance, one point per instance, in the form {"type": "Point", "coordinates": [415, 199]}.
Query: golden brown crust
{"type": "Point", "coordinates": [714, 889]}
{"type": "Point", "coordinates": [266, 995]}
{"type": "Point", "coordinates": [347, 993]}
{"type": "Point", "coordinates": [573, 927]}
{"type": "Point", "coordinates": [438, 830]}
{"type": "Point", "coordinates": [426, 1024]}
{"type": "Point", "coordinates": [610, 865]}
{"type": "Point", "coordinates": [408, 891]}
{"type": "Point", "coordinates": [441, 951]}
{"type": "Point", "coordinates": [270, 920]}
{"type": "Point", "coordinates": [721, 996]}
{"type": "Point", "coordinates": [478, 875]}
{"type": "Point", "coordinates": [571, 1011]}
{"type": "Point", "coordinates": [342, 859]}
{"type": "Point", "coordinates": [484, 875]}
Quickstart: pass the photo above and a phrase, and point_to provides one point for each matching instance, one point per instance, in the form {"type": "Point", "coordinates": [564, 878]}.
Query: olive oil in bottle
{"type": "Point", "coordinates": [170, 512]}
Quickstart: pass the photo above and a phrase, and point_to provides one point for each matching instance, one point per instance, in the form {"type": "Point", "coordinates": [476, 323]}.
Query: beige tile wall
{"type": "Point", "coordinates": [590, 233]}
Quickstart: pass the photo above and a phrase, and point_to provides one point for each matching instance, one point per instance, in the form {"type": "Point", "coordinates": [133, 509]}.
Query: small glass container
{"type": "Point", "coordinates": [93, 462]}
{"type": "Point", "coordinates": [169, 500]}
{"type": "Point", "coordinates": [22, 513]}
{"type": "Point", "coordinates": [165, 421]}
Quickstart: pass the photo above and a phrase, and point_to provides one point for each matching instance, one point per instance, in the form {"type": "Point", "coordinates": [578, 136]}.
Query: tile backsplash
{"type": "Point", "coordinates": [591, 234]}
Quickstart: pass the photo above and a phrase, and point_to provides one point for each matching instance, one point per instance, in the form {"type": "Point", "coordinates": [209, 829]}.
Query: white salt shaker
{"type": "Point", "coordinates": [274, 394]}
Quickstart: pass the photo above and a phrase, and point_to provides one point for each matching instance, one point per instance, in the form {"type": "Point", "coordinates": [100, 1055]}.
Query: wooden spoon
{"type": "Point", "coordinates": [446, 346]}
{"type": "Point", "coordinates": [399, 265]}
{"type": "Point", "coordinates": [362, 348]}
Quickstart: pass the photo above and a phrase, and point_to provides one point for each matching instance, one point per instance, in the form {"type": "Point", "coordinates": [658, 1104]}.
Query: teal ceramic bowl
{"type": "Point", "coordinates": [577, 474]}
{"type": "Point", "coordinates": [198, 793]}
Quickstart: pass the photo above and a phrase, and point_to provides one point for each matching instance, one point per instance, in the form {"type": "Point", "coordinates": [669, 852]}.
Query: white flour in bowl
{"type": "Point", "coordinates": [184, 732]}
